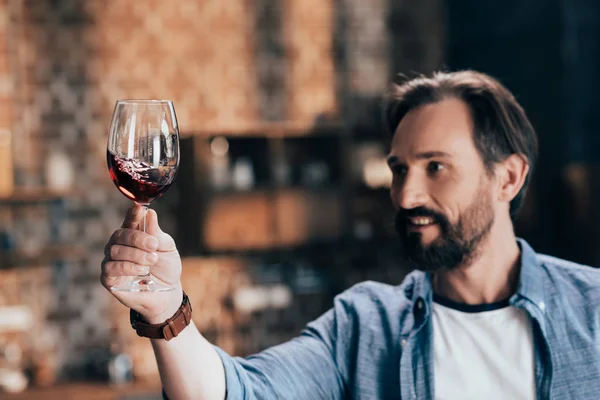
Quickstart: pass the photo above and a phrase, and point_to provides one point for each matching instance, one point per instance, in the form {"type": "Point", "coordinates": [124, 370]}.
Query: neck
{"type": "Point", "coordinates": [493, 276]}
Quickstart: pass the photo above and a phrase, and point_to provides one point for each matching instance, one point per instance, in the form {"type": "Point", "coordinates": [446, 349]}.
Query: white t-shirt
{"type": "Point", "coordinates": [482, 352]}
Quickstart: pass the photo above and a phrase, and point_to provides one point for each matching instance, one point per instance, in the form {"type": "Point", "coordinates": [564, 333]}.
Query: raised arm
{"type": "Point", "coordinates": [189, 366]}
{"type": "Point", "coordinates": [192, 368]}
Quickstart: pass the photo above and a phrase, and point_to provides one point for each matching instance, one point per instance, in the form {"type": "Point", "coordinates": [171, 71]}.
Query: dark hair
{"type": "Point", "coordinates": [501, 126]}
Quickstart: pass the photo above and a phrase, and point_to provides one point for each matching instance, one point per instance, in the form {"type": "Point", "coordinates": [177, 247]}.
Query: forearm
{"type": "Point", "coordinates": [189, 367]}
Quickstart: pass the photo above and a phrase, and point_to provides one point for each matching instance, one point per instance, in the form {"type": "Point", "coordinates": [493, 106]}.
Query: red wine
{"type": "Point", "coordinates": [139, 181]}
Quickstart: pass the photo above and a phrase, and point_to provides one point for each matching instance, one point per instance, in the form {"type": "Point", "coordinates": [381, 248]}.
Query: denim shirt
{"type": "Point", "coordinates": [376, 342]}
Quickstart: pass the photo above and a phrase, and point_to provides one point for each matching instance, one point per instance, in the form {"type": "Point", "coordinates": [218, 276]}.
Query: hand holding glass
{"type": "Point", "coordinates": [142, 157]}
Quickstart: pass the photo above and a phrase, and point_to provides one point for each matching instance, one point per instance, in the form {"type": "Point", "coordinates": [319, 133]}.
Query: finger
{"type": "Point", "coordinates": [112, 281]}
{"type": "Point", "coordinates": [166, 242]}
{"type": "Point", "coordinates": [126, 253]}
{"type": "Point", "coordinates": [116, 269]}
{"type": "Point", "coordinates": [132, 238]}
{"type": "Point", "coordinates": [134, 217]}
{"type": "Point", "coordinates": [109, 281]}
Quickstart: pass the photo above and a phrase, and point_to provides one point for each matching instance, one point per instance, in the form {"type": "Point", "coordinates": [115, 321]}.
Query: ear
{"type": "Point", "coordinates": [511, 173]}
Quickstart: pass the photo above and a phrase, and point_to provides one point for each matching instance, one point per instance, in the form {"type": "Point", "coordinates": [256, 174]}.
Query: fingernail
{"type": "Point", "coordinates": [151, 243]}
{"type": "Point", "coordinates": [151, 257]}
{"type": "Point", "coordinates": [143, 270]}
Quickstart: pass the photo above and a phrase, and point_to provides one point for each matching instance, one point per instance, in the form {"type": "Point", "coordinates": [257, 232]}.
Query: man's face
{"type": "Point", "coordinates": [442, 192]}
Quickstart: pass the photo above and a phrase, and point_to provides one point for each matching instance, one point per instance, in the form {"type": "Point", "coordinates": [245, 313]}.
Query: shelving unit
{"type": "Point", "coordinates": [238, 191]}
{"type": "Point", "coordinates": [44, 256]}
{"type": "Point", "coordinates": [21, 197]}
{"type": "Point", "coordinates": [302, 189]}
{"type": "Point", "coordinates": [13, 255]}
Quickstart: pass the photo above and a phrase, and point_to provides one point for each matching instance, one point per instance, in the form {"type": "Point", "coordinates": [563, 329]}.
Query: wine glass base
{"type": "Point", "coordinates": [142, 284]}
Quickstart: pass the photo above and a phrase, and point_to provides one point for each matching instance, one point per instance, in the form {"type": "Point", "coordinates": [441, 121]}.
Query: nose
{"type": "Point", "coordinates": [408, 193]}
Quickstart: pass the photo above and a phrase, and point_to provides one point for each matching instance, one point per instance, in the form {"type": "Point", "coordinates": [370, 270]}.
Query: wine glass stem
{"type": "Point", "coordinates": [145, 211]}
{"type": "Point", "coordinates": [144, 219]}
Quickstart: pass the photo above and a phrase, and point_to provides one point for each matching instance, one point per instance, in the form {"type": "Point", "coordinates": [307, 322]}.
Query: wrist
{"type": "Point", "coordinates": [166, 330]}
{"type": "Point", "coordinates": [172, 305]}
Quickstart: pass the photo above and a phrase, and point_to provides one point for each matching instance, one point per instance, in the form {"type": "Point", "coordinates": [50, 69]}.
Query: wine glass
{"type": "Point", "coordinates": [143, 156]}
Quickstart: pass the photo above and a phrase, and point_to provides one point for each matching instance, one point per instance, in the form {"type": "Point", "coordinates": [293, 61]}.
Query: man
{"type": "Point", "coordinates": [481, 317]}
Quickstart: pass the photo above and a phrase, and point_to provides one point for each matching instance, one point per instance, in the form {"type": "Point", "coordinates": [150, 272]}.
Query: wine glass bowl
{"type": "Point", "coordinates": [143, 156]}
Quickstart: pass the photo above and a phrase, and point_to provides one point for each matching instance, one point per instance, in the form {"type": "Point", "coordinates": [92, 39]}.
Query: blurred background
{"type": "Point", "coordinates": [281, 200]}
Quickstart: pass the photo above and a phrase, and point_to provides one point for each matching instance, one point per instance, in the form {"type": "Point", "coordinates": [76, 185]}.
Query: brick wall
{"type": "Point", "coordinates": [228, 66]}
{"type": "Point", "coordinates": [308, 27]}
{"type": "Point", "coordinates": [6, 94]}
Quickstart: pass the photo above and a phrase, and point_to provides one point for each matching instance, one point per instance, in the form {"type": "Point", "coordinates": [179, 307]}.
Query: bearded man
{"type": "Point", "coordinates": [482, 316]}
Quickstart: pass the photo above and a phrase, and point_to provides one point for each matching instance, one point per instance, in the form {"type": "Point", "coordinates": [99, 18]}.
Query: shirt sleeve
{"type": "Point", "coordinates": [310, 366]}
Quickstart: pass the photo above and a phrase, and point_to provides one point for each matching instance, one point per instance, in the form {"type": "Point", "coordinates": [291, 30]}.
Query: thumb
{"type": "Point", "coordinates": [165, 241]}
{"type": "Point", "coordinates": [134, 217]}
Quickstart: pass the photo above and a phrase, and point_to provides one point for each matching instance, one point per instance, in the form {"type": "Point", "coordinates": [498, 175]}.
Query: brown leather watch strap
{"type": "Point", "coordinates": [168, 329]}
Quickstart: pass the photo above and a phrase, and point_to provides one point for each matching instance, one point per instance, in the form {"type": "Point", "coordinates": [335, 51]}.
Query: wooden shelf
{"type": "Point", "coordinates": [272, 130]}
{"type": "Point", "coordinates": [34, 196]}
{"type": "Point", "coordinates": [46, 256]}
{"type": "Point", "coordinates": [274, 189]}
{"type": "Point", "coordinates": [91, 391]}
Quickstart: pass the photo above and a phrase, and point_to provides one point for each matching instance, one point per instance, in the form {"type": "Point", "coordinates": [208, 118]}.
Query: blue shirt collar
{"type": "Point", "coordinates": [530, 279]}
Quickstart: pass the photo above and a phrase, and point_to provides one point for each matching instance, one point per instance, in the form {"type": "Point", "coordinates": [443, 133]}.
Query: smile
{"type": "Point", "coordinates": [421, 221]}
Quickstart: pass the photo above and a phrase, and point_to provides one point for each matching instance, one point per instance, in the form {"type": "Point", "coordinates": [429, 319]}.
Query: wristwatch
{"type": "Point", "coordinates": [168, 329]}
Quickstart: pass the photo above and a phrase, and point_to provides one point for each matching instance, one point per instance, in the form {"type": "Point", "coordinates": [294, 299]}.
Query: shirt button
{"type": "Point", "coordinates": [542, 306]}
{"type": "Point", "coordinates": [403, 343]}
{"type": "Point", "coordinates": [419, 304]}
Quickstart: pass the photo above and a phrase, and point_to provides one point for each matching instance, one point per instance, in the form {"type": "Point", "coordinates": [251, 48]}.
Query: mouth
{"type": "Point", "coordinates": [415, 224]}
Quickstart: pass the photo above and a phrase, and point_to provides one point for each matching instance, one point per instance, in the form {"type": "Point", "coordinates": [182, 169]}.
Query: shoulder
{"type": "Point", "coordinates": [368, 289]}
{"type": "Point", "coordinates": [570, 268]}
{"type": "Point", "coordinates": [377, 291]}
{"type": "Point", "coordinates": [568, 274]}
{"type": "Point", "coordinates": [572, 293]}
{"type": "Point", "coordinates": [370, 296]}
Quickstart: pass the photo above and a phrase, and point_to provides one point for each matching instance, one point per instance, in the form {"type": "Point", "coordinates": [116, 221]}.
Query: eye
{"type": "Point", "coordinates": [435, 166]}
{"type": "Point", "coordinates": [399, 169]}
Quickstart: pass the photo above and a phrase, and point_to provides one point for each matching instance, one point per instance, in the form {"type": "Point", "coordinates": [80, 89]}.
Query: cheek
{"type": "Point", "coordinates": [447, 192]}
{"type": "Point", "coordinates": [453, 196]}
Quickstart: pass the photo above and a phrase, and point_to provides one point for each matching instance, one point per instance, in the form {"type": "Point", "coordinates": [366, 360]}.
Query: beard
{"type": "Point", "coordinates": [457, 245]}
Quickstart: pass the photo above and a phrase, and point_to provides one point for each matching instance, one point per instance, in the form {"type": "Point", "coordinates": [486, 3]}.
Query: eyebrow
{"type": "Point", "coordinates": [421, 156]}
